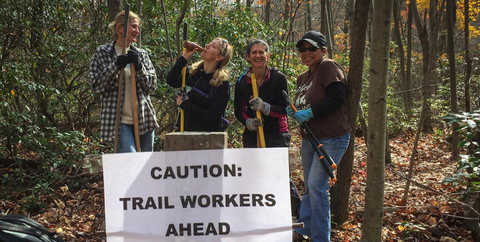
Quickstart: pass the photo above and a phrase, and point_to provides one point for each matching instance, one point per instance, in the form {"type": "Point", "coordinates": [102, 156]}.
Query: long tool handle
{"type": "Point", "coordinates": [320, 147]}
{"type": "Point", "coordinates": [120, 80]}
{"type": "Point", "coordinates": [260, 134]}
{"type": "Point", "coordinates": [135, 108]}
{"type": "Point", "coordinates": [184, 74]}
{"type": "Point", "coordinates": [322, 154]}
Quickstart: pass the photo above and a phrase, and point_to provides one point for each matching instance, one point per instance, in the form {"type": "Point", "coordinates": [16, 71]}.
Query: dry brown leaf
{"type": "Point", "coordinates": [60, 203]}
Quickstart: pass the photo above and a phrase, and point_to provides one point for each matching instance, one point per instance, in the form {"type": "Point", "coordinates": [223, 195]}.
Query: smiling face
{"type": "Point", "coordinates": [258, 56]}
{"type": "Point", "coordinates": [311, 58]}
{"type": "Point", "coordinates": [133, 30]}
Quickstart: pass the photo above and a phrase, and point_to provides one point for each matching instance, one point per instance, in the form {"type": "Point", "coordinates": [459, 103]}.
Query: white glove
{"type": "Point", "coordinates": [259, 105]}
{"type": "Point", "coordinates": [253, 123]}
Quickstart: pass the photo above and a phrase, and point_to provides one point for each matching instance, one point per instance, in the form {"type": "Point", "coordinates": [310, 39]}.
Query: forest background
{"type": "Point", "coordinates": [49, 118]}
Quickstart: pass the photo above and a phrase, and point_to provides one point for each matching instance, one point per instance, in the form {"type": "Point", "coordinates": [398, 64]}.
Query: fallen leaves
{"type": "Point", "coordinates": [425, 216]}
{"type": "Point", "coordinates": [78, 213]}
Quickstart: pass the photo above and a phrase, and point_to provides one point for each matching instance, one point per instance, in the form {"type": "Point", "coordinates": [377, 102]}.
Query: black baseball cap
{"type": "Point", "coordinates": [313, 37]}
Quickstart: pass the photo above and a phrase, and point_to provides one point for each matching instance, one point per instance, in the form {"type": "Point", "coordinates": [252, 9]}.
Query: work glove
{"type": "Point", "coordinates": [133, 58]}
{"type": "Point", "coordinates": [290, 111]}
{"type": "Point", "coordinates": [182, 95]}
{"type": "Point", "coordinates": [253, 123]}
{"type": "Point", "coordinates": [121, 62]}
{"type": "Point", "coordinates": [259, 105]}
{"type": "Point", "coordinates": [303, 115]}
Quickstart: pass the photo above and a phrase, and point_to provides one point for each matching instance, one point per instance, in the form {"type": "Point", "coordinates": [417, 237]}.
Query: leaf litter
{"type": "Point", "coordinates": [78, 214]}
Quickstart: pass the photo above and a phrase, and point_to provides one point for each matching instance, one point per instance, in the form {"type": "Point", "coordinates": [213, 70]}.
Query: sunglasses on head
{"type": "Point", "coordinates": [311, 49]}
{"type": "Point", "coordinates": [223, 49]}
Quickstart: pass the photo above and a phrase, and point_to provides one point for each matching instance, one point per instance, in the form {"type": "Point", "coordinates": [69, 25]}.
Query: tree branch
{"type": "Point", "coordinates": [432, 190]}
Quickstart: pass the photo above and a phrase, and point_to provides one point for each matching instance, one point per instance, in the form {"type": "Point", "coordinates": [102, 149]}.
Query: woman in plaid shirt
{"type": "Point", "coordinates": [105, 67]}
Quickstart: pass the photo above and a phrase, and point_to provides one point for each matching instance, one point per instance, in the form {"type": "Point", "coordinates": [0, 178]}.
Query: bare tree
{"type": "Point", "coordinates": [289, 34]}
{"type": "Point", "coordinates": [114, 7]}
{"type": "Point", "coordinates": [377, 112]}
{"type": "Point", "coordinates": [401, 56]}
{"type": "Point", "coordinates": [166, 32]}
{"type": "Point", "coordinates": [268, 9]}
{"type": "Point", "coordinates": [340, 192]}
{"type": "Point", "coordinates": [453, 74]}
{"type": "Point", "coordinates": [468, 60]}
{"type": "Point", "coordinates": [179, 26]}
{"type": "Point", "coordinates": [139, 12]}
{"type": "Point", "coordinates": [349, 7]}
{"type": "Point", "coordinates": [408, 80]}
{"type": "Point", "coordinates": [308, 16]}
{"type": "Point", "coordinates": [428, 70]}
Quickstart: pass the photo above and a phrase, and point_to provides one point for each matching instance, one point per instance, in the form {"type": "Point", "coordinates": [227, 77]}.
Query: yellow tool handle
{"type": "Point", "coordinates": [182, 113]}
{"type": "Point", "coordinates": [259, 115]}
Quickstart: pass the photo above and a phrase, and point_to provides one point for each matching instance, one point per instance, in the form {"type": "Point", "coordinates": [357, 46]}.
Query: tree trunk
{"type": "Point", "coordinates": [377, 112]}
{"type": "Point", "coordinates": [473, 224]}
{"type": "Point", "coordinates": [323, 17]}
{"type": "Point", "coordinates": [286, 18]}
{"type": "Point", "coordinates": [308, 17]}
{"type": "Point", "coordinates": [178, 26]}
{"type": "Point", "coordinates": [363, 123]}
{"type": "Point", "coordinates": [408, 84]}
{"type": "Point", "coordinates": [289, 34]}
{"type": "Point", "coordinates": [401, 56]}
{"type": "Point", "coordinates": [453, 76]}
{"type": "Point", "coordinates": [429, 50]}
{"type": "Point", "coordinates": [340, 192]}
{"type": "Point", "coordinates": [114, 7]}
{"type": "Point", "coordinates": [166, 32]}
{"type": "Point", "coordinates": [331, 31]}
{"type": "Point", "coordinates": [388, 154]}
{"type": "Point", "coordinates": [424, 114]}
{"type": "Point", "coordinates": [268, 7]}
{"type": "Point", "coordinates": [349, 7]}
{"type": "Point", "coordinates": [468, 61]}
{"type": "Point", "coordinates": [139, 12]}
{"type": "Point", "coordinates": [44, 117]}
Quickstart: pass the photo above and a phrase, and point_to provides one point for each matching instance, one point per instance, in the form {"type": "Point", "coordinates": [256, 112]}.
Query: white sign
{"type": "Point", "coordinates": [201, 195]}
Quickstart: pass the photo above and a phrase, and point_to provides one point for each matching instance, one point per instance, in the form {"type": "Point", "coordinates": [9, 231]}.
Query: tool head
{"type": "Point", "coordinates": [127, 14]}
{"type": "Point", "coordinates": [184, 31]}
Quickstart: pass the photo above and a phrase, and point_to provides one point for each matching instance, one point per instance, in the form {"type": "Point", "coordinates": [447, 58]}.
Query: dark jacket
{"type": "Point", "coordinates": [202, 112]}
{"type": "Point", "coordinates": [275, 124]}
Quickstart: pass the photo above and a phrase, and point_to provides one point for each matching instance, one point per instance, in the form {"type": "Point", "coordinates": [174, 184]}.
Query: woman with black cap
{"type": "Point", "coordinates": [321, 103]}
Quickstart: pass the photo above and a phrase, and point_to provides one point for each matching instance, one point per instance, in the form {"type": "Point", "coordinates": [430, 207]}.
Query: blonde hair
{"type": "Point", "coordinates": [220, 74]}
{"type": "Point", "coordinates": [120, 19]}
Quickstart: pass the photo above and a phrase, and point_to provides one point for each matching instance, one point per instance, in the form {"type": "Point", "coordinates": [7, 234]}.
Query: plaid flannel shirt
{"type": "Point", "coordinates": [104, 81]}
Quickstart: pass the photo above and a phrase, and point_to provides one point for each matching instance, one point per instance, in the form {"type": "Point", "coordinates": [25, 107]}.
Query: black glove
{"type": "Point", "coordinates": [121, 62]}
{"type": "Point", "coordinates": [133, 58]}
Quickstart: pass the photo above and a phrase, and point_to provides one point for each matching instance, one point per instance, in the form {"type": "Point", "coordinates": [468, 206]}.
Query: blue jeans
{"type": "Point", "coordinates": [315, 208]}
{"type": "Point", "coordinates": [126, 140]}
